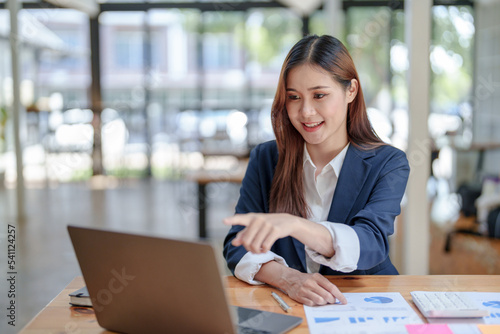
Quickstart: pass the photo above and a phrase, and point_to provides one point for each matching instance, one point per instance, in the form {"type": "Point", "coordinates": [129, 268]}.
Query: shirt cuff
{"type": "Point", "coordinates": [346, 246]}
{"type": "Point", "coordinates": [251, 263]}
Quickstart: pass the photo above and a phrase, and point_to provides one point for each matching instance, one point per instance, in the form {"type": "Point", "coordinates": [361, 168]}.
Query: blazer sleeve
{"type": "Point", "coordinates": [374, 223]}
{"type": "Point", "coordinates": [254, 196]}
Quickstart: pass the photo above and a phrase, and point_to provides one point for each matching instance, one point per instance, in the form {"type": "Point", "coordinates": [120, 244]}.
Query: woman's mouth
{"type": "Point", "coordinates": [311, 127]}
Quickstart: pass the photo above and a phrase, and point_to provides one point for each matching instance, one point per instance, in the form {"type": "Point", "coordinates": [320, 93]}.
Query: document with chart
{"type": "Point", "coordinates": [487, 300]}
{"type": "Point", "coordinates": [490, 301]}
{"type": "Point", "coordinates": [386, 312]}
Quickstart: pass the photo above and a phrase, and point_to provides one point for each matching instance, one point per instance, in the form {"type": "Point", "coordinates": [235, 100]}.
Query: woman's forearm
{"type": "Point", "coordinates": [279, 276]}
{"type": "Point", "coordinates": [273, 273]}
{"type": "Point", "coordinates": [315, 236]}
{"type": "Point", "coordinates": [263, 229]}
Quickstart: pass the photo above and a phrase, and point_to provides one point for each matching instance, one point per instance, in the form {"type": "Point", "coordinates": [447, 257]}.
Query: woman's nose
{"type": "Point", "coordinates": [307, 108]}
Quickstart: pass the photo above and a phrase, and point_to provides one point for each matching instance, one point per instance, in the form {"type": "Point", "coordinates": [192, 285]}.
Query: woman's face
{"type": "Point", "coordinates": [317, 106]}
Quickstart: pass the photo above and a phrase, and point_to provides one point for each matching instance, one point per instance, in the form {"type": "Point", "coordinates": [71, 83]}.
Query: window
{"type": "Point", "coordinates": [129, 49]}
{"type": "Point", "coordinates": [219, 51]}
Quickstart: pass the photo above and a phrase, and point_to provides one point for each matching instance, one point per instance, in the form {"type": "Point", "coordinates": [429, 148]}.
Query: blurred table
{"type": "Point", "coordinates": [204, 177]}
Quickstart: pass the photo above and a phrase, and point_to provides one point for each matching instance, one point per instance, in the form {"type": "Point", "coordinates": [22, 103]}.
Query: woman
{"type": "Point", "coordinates": [322, 198]}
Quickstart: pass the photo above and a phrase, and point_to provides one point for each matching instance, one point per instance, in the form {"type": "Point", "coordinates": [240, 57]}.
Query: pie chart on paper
{"type": "Point", "coordinates": [494, 304]}
{"type": "Point", "coordinates": [378, 300]}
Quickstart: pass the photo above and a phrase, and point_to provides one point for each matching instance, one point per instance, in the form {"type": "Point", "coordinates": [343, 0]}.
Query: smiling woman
{"type": "Point", "coordinates": [322, 197]}
{"type": "Point", "coordinates": [322, 61]}
{"type": "Point", "coordinates": [317, 108]}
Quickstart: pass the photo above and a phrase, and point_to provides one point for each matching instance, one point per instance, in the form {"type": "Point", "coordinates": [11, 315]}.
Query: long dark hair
{"type": "Point", "coordinates": [327, 52]}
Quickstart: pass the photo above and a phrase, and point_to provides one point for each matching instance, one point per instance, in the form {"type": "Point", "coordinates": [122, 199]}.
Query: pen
{"type": "Point", "coordinates": [280, 301]}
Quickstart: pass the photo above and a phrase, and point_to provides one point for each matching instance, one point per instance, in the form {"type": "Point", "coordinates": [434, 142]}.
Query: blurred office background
{"type": "Point", "coordinates": [122, 102]}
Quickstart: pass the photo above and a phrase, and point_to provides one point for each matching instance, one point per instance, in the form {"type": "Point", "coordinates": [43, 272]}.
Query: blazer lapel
{"type": "Point", "coordinates": [352, 177]}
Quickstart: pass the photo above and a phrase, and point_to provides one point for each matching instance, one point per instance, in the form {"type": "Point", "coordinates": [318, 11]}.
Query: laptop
{"type": "Point", "coordinates": [145, 284]}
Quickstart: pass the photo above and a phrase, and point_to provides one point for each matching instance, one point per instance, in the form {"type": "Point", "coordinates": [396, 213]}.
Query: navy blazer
{"type": "Point", "coordinates": [369, 190]}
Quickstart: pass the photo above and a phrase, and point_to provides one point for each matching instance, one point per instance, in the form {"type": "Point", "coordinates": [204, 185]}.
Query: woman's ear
{"type": "Point", "coordinates": [352, 91]}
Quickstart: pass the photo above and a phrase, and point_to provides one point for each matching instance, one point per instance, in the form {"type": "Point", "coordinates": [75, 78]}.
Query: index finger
{"type": "Point", "coordinates": [332, 288]}
{"type": "Point", "coordinates": [237, 219]}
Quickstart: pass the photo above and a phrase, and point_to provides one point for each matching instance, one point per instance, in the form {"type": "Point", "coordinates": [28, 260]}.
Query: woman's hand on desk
{"type": "Point", "coordinates": [313, 290]}
{"type": "Point", "coordinates": [308, 289]}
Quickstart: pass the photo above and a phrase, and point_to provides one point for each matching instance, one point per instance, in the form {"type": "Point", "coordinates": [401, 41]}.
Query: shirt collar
{"type": "Point", "coordinates": [336, 163]}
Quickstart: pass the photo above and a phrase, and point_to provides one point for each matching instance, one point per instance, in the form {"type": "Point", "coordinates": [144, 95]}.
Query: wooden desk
{"type": "Point", "coordinates": [205, 177]}
{"type": "Point", "coordinates": [59, 317]}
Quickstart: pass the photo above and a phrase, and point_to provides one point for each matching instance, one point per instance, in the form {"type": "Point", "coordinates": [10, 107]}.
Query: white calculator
{"type": "Point", "coordinates": [439, 304]}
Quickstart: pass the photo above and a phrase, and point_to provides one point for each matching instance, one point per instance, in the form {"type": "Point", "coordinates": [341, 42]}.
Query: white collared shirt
{"type": "Point", "coordinates": [319, 195]}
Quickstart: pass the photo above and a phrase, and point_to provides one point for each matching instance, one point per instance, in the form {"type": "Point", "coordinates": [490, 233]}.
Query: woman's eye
{"type": "Point", "coordinates": [319, 96]}
{"type": "Point", "coordinates": [293, 97]}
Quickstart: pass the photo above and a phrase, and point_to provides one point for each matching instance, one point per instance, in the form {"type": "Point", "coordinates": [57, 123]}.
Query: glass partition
{"type": "Point", "coordinates": [172, 79]}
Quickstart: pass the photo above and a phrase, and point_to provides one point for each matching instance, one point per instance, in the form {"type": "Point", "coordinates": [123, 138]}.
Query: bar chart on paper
{"type": "Point", "coordinates": [371, 311]}
{"type": "Point", "coordinates": [360, 320]}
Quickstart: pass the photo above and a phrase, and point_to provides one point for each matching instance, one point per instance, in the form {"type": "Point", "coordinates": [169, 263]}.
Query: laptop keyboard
{"type": "Point", "coordinates": [248, 330]}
